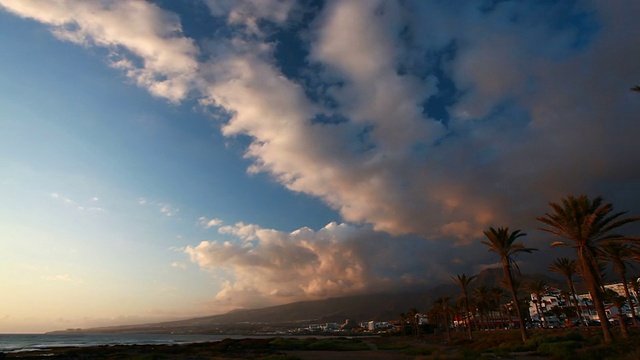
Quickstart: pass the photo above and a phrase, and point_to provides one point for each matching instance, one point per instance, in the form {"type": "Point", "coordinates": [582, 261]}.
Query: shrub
{"type": "Point", "coordinates": [280, 357]}
{"type": "Point", "coordinates": [338, 345]}
{"type": "Point", "coordinates": [418, 350]}
{"type": "Point", "coordinates": [388, 345]}
{"type": "Point", "coordinates": [559, 350]}
{"type": "Point", "coordinates": [291, 343]}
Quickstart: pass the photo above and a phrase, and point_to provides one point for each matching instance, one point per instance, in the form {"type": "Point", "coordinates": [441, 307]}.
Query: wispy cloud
{"type": "Point", "coordinates": [167, 209]}
{"type": "Point", "coordinates": [164, 208]}
{"type": "Point", "coordinates": [209, 223]}
{"type": "Point", "coordinates": [62, 278]}
{"type": "Point", "coordinates": [82, 206]}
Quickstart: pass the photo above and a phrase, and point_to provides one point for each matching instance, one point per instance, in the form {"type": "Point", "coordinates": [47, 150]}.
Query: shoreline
{"type": "Point", "coordinates": [249, 348]}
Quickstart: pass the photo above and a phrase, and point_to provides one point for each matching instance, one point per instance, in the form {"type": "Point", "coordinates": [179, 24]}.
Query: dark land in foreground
{"type": "Point", "coordinates": [584, 343]}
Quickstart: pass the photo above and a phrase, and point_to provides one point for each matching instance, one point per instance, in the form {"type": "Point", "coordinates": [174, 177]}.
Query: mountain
{"type": "Point", "coordinates": [378, 307]}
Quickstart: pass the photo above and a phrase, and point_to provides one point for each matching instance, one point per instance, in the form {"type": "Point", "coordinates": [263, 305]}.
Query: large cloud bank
{"type": "Point", "coordinates": [265, 266]}
{"type": "Point", "coordinates": [414, 117]}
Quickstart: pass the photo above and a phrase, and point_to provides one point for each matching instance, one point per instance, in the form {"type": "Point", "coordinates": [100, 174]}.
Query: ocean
{"type": "Point", "coordinates": [31, 342]}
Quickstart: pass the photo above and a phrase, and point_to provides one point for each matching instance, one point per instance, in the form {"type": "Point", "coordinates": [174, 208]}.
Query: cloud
{"type": "Point", "coordinates": [178, 265]}
{"type": "Point", "coordinates": [61, 198]}
{"type": "Point", "coordinates": [209, 223]}
{"type": "Point", "coordinates": [249, 12]}
{"type": "Point", "coordinates": [533, 104]}
{"type": "Point", "coordinates": [267, 266]}
{"type": "Point", "coordinates": [167, 209]}
{"type": "Point", "coordinates": [144, 41]}
{"type": "Point", "coordinates": [66, 278]}
{"type": "Point", "coordinates": [79, 206]}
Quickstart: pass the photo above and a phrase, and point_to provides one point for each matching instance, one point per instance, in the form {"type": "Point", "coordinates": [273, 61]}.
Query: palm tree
{"type": "Point", "coordinates": [443, 303]}
{"type": "Point", "coordinates": [413, 314]}
{"type": "Point", "coordinates": [482, 294]}
{"type": "Point", "coordinates": [497, 293]}
{"type": "Point", "coordinates": [636, 288]}
{"type": "Point", "coordinates": [502, 242]}
{"type": "Point", "coordinates": [618, 301]}
{"type": "Point", "coordinates": [403, 322]}
{"type": "Point", "coordinates": [587, 224]}
{"type": "Point", "coordinates": [568, 268]}
{"type": "Point", "coordinates": [537, 288]}
{"type": "Point", "coordinates": [618, 254]}
{"type": "Point", "coordinates": [464, 281]}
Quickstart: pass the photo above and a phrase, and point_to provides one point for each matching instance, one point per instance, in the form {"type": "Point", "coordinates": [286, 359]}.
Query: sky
{"type": "Point", "coordinates": [163, 160]}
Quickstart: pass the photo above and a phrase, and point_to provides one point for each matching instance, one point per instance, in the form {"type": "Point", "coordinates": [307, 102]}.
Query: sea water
{"type": "Point", "coordinates": [33, 342]}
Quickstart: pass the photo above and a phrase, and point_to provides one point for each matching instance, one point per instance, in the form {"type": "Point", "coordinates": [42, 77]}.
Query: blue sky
{"type": "Point", "coordinates": [163, 160]}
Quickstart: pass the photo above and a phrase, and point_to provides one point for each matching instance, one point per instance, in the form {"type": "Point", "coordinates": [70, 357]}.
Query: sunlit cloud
{"type": "Point", "coordinates": [386, 161]}
{"type": "Point", "coordinates": [422, 123]}
{"type": "Point", "coordinates": [267, 266]}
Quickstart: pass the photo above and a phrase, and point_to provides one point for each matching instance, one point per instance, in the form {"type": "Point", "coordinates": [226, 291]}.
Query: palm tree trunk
{"type": "Point", "coordinates": [507, 273]}
{"type": "Point", "coordinates": [575, 300]}
{"type": "Point", "coordinates": [590, 275]}
{"type": "Point", "coordinates": [628, 296]}
{"type": "Point", "coordinates": [623, 324]}
{"type": "Point", "coordinates": [447, 323]}
{"type": "Point", "coordinates": [468, 322]}
{"type": "Point", "coordinates": [500, 314]}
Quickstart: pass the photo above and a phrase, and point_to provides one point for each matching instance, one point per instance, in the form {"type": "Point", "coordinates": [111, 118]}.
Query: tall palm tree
{"type": "Point", "coordinates": [502, 242]}
{"type": "Point", "coordinates": [618, 254]}
{"type": "Point", "coordinates": [568, 268]}
{"type": "Point", "coordinates": [537, 288]}
{"type": "Point", "coordinates": [587, 224]}
{"type": "Point", "coordinates": [463, 280]}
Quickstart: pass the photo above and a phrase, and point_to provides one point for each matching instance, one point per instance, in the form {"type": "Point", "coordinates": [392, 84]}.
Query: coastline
{"type": "Point", "coordinates": [246, 347]}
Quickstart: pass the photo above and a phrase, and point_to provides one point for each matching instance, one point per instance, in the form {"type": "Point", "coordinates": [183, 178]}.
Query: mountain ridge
{"type": "Point", "coordinates": [378, 307]}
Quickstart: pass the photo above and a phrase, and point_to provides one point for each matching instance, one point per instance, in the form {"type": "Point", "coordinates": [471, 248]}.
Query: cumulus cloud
{"type": "Point", "coordinates": [267, 266]}
{"type": "Point", "coordinates": [532, 100]}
